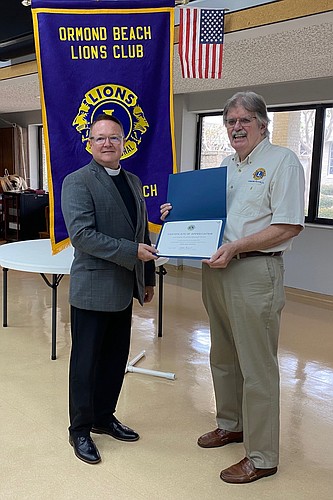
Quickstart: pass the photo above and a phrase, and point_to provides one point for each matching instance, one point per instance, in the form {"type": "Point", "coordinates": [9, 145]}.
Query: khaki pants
{"type": "Point", "coordinates": [244, 303]}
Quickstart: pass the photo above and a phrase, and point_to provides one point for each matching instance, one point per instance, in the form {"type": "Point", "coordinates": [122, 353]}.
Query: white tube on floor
{"type": "Point", "coordinates": [137, 358]}
{"type": "Point", "coordinates": [133, 369]}
{"type": "Point", "coordinates": [155, 373]}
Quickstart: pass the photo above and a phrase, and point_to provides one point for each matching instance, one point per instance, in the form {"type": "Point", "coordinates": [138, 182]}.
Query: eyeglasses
{"type": "Point", "coordinates": [244, 122]}
{"type": "Point", "coordinates": [114, 139]}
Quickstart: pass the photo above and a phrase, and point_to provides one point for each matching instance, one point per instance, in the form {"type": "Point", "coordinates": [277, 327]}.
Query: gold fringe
{"type": "Point", "coordinates": [58, 247]}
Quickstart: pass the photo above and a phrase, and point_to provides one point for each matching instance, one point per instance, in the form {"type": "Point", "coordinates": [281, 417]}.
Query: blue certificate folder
{"type": "Point", "coordinates": [197, 195]}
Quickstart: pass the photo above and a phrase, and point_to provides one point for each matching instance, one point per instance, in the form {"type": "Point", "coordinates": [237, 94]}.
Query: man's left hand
{"type": "Point", "coordinates": [149, 294]}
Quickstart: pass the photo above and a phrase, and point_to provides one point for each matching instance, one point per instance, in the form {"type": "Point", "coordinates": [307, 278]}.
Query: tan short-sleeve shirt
{"type": "Point", "coordinates": [266, 188]}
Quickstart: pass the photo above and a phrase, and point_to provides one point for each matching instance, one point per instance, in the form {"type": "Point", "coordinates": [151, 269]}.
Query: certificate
{"type": "Point", "coordinates": [192, 239]}
{"type": "Point", "coordinates": [194, 227]}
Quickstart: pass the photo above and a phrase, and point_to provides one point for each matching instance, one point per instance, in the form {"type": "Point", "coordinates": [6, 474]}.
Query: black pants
{"type": "Point", "coordinates": [100, 348]}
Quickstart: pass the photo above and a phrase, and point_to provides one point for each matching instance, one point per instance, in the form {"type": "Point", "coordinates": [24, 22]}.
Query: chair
{"type": "Point", "coordinates": [46, 234]}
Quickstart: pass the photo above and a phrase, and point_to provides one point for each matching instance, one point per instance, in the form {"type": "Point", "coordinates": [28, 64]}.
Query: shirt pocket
{"type": "Point", "coordinates": [247, 200]}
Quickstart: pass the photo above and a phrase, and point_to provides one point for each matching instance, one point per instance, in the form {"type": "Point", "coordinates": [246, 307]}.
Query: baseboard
{"type": "Point", "coordinates": [308, 297]}
{"type": "Point", "coordinates": [296, 294]}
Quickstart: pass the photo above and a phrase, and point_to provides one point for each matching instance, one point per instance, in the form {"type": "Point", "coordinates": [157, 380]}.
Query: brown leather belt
{"type": "Point", "coordinates": [257, 254]}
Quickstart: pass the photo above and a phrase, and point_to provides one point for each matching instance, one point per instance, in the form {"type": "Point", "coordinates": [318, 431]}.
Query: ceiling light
{"type": "Point", "coordinates": [26, 3]}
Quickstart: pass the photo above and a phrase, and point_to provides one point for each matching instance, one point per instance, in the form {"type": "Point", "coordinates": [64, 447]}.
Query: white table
{"type": "Point", "coordinates": [35, 256]}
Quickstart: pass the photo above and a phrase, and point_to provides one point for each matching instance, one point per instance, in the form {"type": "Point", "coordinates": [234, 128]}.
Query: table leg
{"type": "Point", "coordinates": [54, 316]}
{"type": "Point", "coordinates": [161, 272]}
{"type": "Point", "coordinates": [4, 296]}
{"type": "Point", "coordinates": [56, 278]}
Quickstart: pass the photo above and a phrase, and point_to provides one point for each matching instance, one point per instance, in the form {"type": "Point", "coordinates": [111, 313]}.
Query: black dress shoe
{"type": "Point", "coordinates": [117, 430]}
{"type": "Point", "coordinates": [85, 449]}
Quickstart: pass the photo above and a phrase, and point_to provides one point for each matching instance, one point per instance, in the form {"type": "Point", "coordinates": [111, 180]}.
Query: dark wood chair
{"type": "Point", "coordinates": [46, 234]}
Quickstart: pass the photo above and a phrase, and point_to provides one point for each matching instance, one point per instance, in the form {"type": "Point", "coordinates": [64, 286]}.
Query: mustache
{"type": "Point", "coordinates": [236, 134]}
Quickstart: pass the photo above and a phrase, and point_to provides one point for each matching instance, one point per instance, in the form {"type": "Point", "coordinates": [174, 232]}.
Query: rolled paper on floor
{"type": "Point", "coordinates": [133, 369]}
{"type": "Point", "coordinates": [155, 373]}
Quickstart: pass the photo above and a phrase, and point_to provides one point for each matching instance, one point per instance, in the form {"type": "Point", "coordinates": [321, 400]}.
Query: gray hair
{"type": "Point", "coordinates": [252, 102]}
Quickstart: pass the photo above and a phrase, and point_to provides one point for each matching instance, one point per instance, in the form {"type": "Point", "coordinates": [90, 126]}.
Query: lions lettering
{"type": "Point", "coordinates": [123, 103]}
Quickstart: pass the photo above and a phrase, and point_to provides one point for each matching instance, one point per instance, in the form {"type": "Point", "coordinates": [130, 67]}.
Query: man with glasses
{"type": "Point", "coordinates": [106, 219]}
{"type": "Point", "coordinates": [242, 286]}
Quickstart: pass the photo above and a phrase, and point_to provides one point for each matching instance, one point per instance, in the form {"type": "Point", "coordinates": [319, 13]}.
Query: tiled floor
{"type": "Point", "coordinates": [37, 462]}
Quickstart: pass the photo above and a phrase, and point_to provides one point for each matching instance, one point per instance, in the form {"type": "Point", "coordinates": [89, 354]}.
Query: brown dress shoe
{"type": "Point", "coordinates": [219, 437]}
{"type": "Point", "coordinates": [245, 472]}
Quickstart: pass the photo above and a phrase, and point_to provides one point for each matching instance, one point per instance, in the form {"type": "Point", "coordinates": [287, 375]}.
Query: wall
{"type": "Point", "coordinates": [23, 119]}
{"type": "Point", "coordinates": [275, 94]}
{"type": "Point", "coordinates": [309, 263]}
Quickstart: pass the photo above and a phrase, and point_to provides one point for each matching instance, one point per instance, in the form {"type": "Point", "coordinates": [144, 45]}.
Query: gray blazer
{"type": "Point", "coordinates": [105, 271]}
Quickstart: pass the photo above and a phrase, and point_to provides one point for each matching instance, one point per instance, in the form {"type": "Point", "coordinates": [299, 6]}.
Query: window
{"type": "Point", "coordinates": [325, 208]}
{"type": "Point", "coordinates": [215, 144]}
{"type": "Point", "coordinates": [307, 130]}
{"type": "Point", "coordinates": [330, 160]}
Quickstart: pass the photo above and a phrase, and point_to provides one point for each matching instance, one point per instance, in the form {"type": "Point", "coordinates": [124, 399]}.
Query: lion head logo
{"type": "Point", "coordinates": [114, 100]}
{"type": "Point", "coordinates": [259, 174]}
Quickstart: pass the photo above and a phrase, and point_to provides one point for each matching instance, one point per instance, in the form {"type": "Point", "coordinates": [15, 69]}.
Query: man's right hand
{"type": "Point", "coordinates": [146, 252]}
{"type": "Point", "coordinates": [222, 256]}
{"type": "Point", "coordinates": [165, 209]}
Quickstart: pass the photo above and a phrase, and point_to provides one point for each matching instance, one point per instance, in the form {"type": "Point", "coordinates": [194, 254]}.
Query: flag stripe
{"type": "Point", "coordinates": [181, 43]}
{"type": "Point", "coordinates": [194, 38]}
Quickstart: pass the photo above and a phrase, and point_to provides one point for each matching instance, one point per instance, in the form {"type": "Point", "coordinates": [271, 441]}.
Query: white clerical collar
{"type": "Point", "coordinates": [112, 172]}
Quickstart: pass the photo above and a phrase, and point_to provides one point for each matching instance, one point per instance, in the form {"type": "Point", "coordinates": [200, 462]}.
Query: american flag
{"type": "Point", "coordinates": [201, 42]}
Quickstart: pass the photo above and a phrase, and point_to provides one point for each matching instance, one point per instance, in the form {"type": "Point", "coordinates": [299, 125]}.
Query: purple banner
{"type": "Point", "coordinates": [111, 57]}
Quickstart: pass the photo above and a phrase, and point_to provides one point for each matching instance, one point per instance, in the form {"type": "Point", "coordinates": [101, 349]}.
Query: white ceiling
{"type": "Point", "coordinates": [301, 47]}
